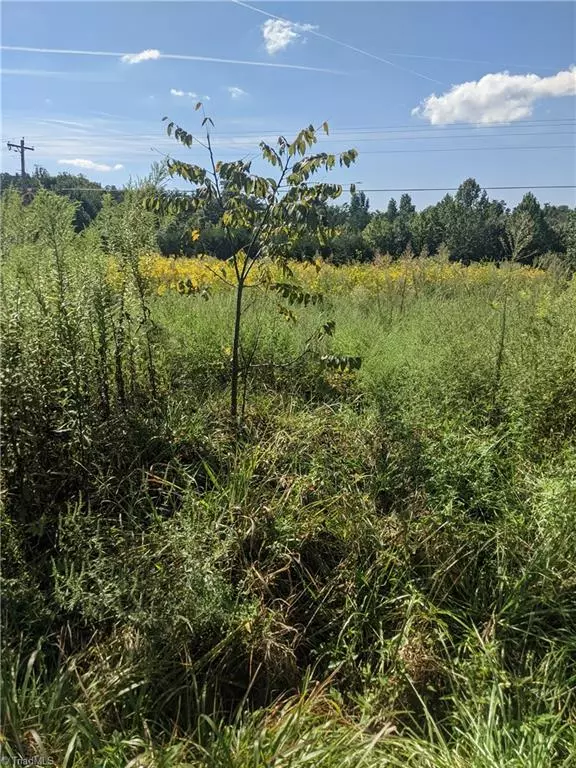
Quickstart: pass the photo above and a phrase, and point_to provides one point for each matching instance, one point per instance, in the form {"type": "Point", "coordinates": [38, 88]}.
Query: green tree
{"type": "Point", "coordinates": [401, 235]}
{"type": "Point", "coordinates": [358, 212]}
{"type": "Point", "coordinates": [332, 215]}
{"type": "Point", "coordinates": [88, 194]}
{"type": "Point", "coordinates": [392, 210]}
{"type": "Point", "coordinates": [275, 212]}
{"type": "Point", "coordinates": [426, 232]}
{"type": "Point", "coordinates": [518, 237]}
{"type": "Point", "coordinates": [469, 194]}
{"type": "Point", "coordinates": [557, 218]}
{"type": "Point", "coordinates": [81, 190]}
{"type": "Point", "coordinates": [543, 239]}
{"type": "Point", "coordinates": [348, 246]}
{"type": "Point", "coordinates": [473, 225]}
{"type": "Point", "coordinates": [379, 234]}
{"type": "Point", "coordinates": [406, 209]}
{"type": "Point", "coordinates": [570, 239]}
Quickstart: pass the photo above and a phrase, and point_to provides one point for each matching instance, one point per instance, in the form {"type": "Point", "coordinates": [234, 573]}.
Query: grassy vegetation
{"type": "Point", "coordinates": [377, 570]}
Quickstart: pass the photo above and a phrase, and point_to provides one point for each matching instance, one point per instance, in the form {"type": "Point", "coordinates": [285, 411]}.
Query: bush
{"type": "Point", "coordinates": [349, 247]}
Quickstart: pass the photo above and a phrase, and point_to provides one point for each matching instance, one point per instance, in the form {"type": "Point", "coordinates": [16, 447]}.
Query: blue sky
{"type": "Point", "coordinates": [428, 92]}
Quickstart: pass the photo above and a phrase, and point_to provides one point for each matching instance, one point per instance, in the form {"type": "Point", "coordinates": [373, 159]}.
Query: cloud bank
{"type": "Point", "coordinates": [279, 34]}
{"type": "Point", "coordinates": [495, 98]}
{"type": "Point", "coordinates": [90, 165]}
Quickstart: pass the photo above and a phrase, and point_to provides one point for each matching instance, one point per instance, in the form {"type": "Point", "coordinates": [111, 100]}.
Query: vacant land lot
{"type": "Point", "coordinates": [376, 568]}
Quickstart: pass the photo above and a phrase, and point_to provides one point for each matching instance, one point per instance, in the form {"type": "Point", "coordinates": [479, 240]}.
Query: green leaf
{"type": "Point", "coordinates": [287, 313]}
{"type": "Point", "coordinates": [341, 362]}
{"type": "Point", "coordinates": [187, 288]}
{"type": "Point", "coordinates": [328, 328]}
{"type": "Point", "coordinates": [295, 295]}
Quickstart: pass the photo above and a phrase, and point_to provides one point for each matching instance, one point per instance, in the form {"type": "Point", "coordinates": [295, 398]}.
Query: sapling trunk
{"type": "Point", "coordinates": [236, 350]}
{"type": "Point", "coordinates": [251, 203]}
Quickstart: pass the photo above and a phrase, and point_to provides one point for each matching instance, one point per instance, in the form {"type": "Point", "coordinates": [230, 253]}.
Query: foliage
{"type": "Point", "coordinates": [415, 277]}
{"type": "Point", "coordinates": [379, 234]}
{"type": "Point", "coordinates": [377, 570]}
{"type": "Point", "coordinates": [268, 214]}
{"type": "Point", "coordinates": [75, 348]}
{"type": "Point", "coordinates": [77, 188]}
{"type": "Point", "coordinates": [357, 212]}
{"type": "Point", "coordinates": [468, 223]}
{"type": "Point", "coordinates": [519, 236]}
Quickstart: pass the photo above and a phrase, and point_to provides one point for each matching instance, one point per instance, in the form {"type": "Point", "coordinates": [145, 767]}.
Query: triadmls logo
{"type": "Point", "coordinates": [16, 760]}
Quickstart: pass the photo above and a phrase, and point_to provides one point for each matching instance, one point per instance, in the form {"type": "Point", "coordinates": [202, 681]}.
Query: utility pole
{"type": "Point", "coordinates": [22, 149]}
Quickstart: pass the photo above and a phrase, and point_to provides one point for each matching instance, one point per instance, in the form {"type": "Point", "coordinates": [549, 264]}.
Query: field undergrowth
{"type": "Point", "coordinates": [377, 570]}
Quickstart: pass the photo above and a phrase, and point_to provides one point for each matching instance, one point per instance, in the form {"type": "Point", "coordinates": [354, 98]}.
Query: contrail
{"type": "Point", "coordinates": [343, 44]}
{"type": "Point", "coordinates": [469, 61]}
{"type": "Point", "coordinates": [90, 76]}
{"type": "Point", "coordinates": [400, 55]}
{"type": "Point", "coordinates": [183, 57]}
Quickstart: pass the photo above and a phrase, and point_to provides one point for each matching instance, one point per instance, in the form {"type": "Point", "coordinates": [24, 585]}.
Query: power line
{"type": "Point", "coordinates": [558, 122]}
{"type": "Point", "coordinates": [512, 147]}
{"type": "Point", "coordinates": [464, 149]}
{"type": "Point", "coordinates": [327, 139]}
{"type": "Point", "coordinates": [385, 189]}
{"type": "Point", "coordinates": [410, 127]}
{"type": "Point", "coordinates": [430, 131]}
{"type": "Point", "coordinates": [461, 136]}
{"type": "Point", "coordinates": [455, 189]}
{"type": "Point", "coordinates": [253, 153]}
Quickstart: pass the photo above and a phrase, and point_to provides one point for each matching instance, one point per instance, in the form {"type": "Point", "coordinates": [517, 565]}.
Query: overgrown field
{"type": "Point", "coordinates": [377, 570]}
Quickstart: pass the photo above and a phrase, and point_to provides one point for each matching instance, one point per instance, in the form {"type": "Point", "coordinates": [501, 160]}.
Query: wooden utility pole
{"type": "Point", "coordinates": [22, 148]}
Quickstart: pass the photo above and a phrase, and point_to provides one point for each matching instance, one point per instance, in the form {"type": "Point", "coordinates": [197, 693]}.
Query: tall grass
{"type": "Point", "coordinates": [377, 571]}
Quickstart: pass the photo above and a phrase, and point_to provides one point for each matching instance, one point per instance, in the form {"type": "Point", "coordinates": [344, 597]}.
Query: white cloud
{"type": "Point", "coordinates": [136, 58]}
{"type": "Point", "coordinates": [495, 98]}
{"type": "Point", "coordinates": [279, 33]}
{"type": "Point", "coordinates": [90, 165]}
{"type": "Point", "coordinates": [235, 92]}
{"type": "Point", "coordinates": [190, 94]}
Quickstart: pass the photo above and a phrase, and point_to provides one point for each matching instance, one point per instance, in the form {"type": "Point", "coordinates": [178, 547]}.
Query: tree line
{"type": "Point", "coordinates": [468, 226]}
{"type": "Point", "coordinates": [76, 187]}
